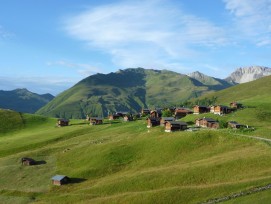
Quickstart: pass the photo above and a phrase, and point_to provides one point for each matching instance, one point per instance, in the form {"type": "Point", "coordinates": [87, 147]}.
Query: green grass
{"type": "Point", "coordinates": [127, 163]}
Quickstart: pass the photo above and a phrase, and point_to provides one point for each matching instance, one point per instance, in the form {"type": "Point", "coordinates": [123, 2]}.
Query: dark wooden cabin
{"type": "Point", "coordinates": [236, 105]}
{"type": "Point", "coordinates": [152, 122]}
{"type": "Point", "coordinates": [145, 112]}
{"type": "Point", "coordinates": [182, 112]}
{"type": "Point", "coordinates": [28, 161]}
{"type": "Point", "coordinates": [62, 122]}
{"type": "Point", "coordinates": [201, 109]}
{"type": "Point", "coordinates": [113, 116]}
{"type": "Point", "coordinates": [127, 118]}
{"type": "Point", "coordinates": [157, 113]}
{"type": "Point", "coordinates": [163, 120]}
{"type": "Point", "coordinates": [234, 125]}
{"type": "Point", "coordinates": [95, 121]}
{"type": "Point", "coordinates": [220, 110]}
{"type": "Point", "coordinates": [207, 122]}
{"type": "Point", "coordinates": [60, 180]}
{"type": "Point", "coordinates": [171, 126]}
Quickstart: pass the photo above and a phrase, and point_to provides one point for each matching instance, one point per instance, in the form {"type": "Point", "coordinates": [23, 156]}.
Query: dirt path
{"type": "Point", "coordinates": [254, 137]}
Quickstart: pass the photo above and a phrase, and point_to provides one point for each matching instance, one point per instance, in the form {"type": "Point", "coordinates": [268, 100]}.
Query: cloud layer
{"type": "Point", "coordinates": [161, 34]}
{"type": "Point", "coordinates": [146, 33]}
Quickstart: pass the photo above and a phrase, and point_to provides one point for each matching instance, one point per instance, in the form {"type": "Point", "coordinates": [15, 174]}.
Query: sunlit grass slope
{"type": "Point", "coordinates": [256, 98]}
{"type": "Point", "coordinates": [127, 163]}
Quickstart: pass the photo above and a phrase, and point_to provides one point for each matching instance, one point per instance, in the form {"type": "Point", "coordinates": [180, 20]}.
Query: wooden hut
{"type": "Point", "coordinates": [182, 112]}
{"type": "Point", "coordinates": [145, 112]}
{"type": "Point", "coordinates": [171, 126]}
{"type": "Point", "coordinates": [127, 118]}
{"type": "Point", "coordinates": [236, 105]}
{"type": "Point", "coordinates": [113, 116]}
{"type": "Point", "coordinates": [201, 109]}
{"type": "Point", "coordinates": [62, 122]}
{"type": "Point", "coordinates": [157, 113]}
{"type": "Point", "coordinates": [220, 110]}
{"type": "Point", "coordinates": [28, 161]}
{"type": "Point", "coordinates": [207, 122]}
{"type": "Point", "coordinates": [152, 122]}
{"type": "Point", "coordinates": [95, 121]}
{"type": "Point", "coordinates": [60, 180]}
{"type": "Point", "coordinates": [234, 125]}
{"type": "Point", "coordinates": [163, 120]}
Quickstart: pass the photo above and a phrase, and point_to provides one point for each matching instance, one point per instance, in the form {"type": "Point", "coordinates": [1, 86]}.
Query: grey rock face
{"type": "Point", "coordinates": [247, 74]}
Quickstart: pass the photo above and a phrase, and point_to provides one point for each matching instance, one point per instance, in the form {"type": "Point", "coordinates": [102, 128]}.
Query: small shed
{"type": "Point", "coordinates": [59, 180]}
{"type": "Point", "coordinates": [182, 112]}
{"type": "Point", "coordinates": [145, 111]}
{"type": "Point", "coordinates": [220, 110]}
{"type": "Point", "coordinates": [152, 122]}
{"type": "Point", "coordinates": [207, 122]}
{"type": "Point", "coordinates": [201, 109]}
{"type": "Point", "coordinates": [127, 118]}
{"type": "Point", "coordinates": [163, 120]}
{"type": "Point", "coordinates": [96, 120]}
{"type": "Point", "coordinates": [171, 126]}
{"type": "Point", "coordinates": [28, 161]}
{"type": "Point", "coordinates": [234, 125]}
{"type": "Point", "coordinates": [62, 122]}
{"type": "Point", "coordinates": [236, 105]}
{"type": "Point", "coordinates": [114, 116]}
{"type": "Point", "coordinates": [157, 113]}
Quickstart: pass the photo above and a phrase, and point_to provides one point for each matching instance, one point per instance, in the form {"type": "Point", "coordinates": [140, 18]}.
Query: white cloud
{"type": "Point", "coordinates": [252, 18]}
{"type": "Point", "coordinates": [145, 33]}
{"type": "Point", "coordinates": [83, 69]}
{"type": "Point", "coordinates": [4, 34]}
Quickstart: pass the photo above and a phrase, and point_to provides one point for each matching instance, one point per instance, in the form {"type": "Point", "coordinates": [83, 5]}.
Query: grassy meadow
{"type": "Point", "coordinates": [125, 162]}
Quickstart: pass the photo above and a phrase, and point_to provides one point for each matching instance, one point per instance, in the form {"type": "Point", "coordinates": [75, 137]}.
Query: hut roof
{"type": "Point", "coordinates": [96, 118]}
{"type": "Point", "coordinates": [177, 122]}
{"type": "Point", "coordinates": [58, 177]}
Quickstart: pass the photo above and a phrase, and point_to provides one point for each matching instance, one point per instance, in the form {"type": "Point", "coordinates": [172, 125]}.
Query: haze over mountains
{"type": "Point", "coordinates": [125, 90]}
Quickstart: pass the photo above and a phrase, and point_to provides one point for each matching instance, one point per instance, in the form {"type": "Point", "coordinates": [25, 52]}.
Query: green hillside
{"type": "Point", "coordinates": [125, 90]}
{"type": "Point", "coordinates": [125, 162]}
{"type": "Point", "coordinates": [22, 100]}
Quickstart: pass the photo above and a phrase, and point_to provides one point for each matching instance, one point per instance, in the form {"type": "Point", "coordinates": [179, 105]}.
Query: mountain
{"type": "Point", "coordinates": [22, 100]}
{"type": "Point", "coordinates": [126, 90]}
{"type": "Point", "coordinates": [215, 83]}
{"type": "Point", "coordinates": [247, 74]}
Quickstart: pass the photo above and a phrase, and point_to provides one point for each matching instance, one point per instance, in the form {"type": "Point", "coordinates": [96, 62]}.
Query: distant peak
{"type": "Point", "coordinates": [247, 74]}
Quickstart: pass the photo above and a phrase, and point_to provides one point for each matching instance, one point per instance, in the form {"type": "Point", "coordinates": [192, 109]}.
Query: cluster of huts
{"type": "Point", "coordinates": [172, 123]}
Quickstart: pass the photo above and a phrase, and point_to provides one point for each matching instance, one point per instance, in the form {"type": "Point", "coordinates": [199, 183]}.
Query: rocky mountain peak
{"type": "Point", "coordinates": [247, 74]}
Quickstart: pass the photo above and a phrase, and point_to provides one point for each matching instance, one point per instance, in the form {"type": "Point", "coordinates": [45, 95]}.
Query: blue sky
{"type": "Point", "coordinates": [47, 46]}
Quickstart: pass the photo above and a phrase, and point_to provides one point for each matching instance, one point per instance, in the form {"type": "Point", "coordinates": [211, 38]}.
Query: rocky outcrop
{"type": "Point", "coordinates": [247, 74]}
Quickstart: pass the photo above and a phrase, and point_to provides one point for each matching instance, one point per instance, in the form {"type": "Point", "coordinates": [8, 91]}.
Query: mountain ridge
{"type": "Point", "coordinates": [126, 90]}
{"type": "Point", "coordinates": [22, 100]}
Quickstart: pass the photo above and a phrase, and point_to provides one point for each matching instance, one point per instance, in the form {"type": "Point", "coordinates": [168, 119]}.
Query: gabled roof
{"type": "Point", "coordinates": [208, 119]}
{"type": "Point", "coordinates": [177, 122]}
{"type": "Point", "coordinates": [234, 122]}
{"type": "Point", "coordinates": [58, 177]}
{"type": "Point", "coordinates": [168, 118]}
{"type": "Point", "coordinates": [63, 119]}
{"type": "Point", "coordinates": [96, 118]}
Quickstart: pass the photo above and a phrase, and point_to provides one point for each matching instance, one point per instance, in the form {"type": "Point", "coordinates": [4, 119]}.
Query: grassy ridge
{"type": "Point", "coordinates": [125, 90]}
{"type": "Point", "coordinates": [128, 163]}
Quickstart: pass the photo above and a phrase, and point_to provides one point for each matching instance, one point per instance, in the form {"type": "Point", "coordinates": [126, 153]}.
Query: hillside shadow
{"type": "Point", "coordinates": [41, 162]}
{"type": "Point", "coordinates": [76, 180]}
